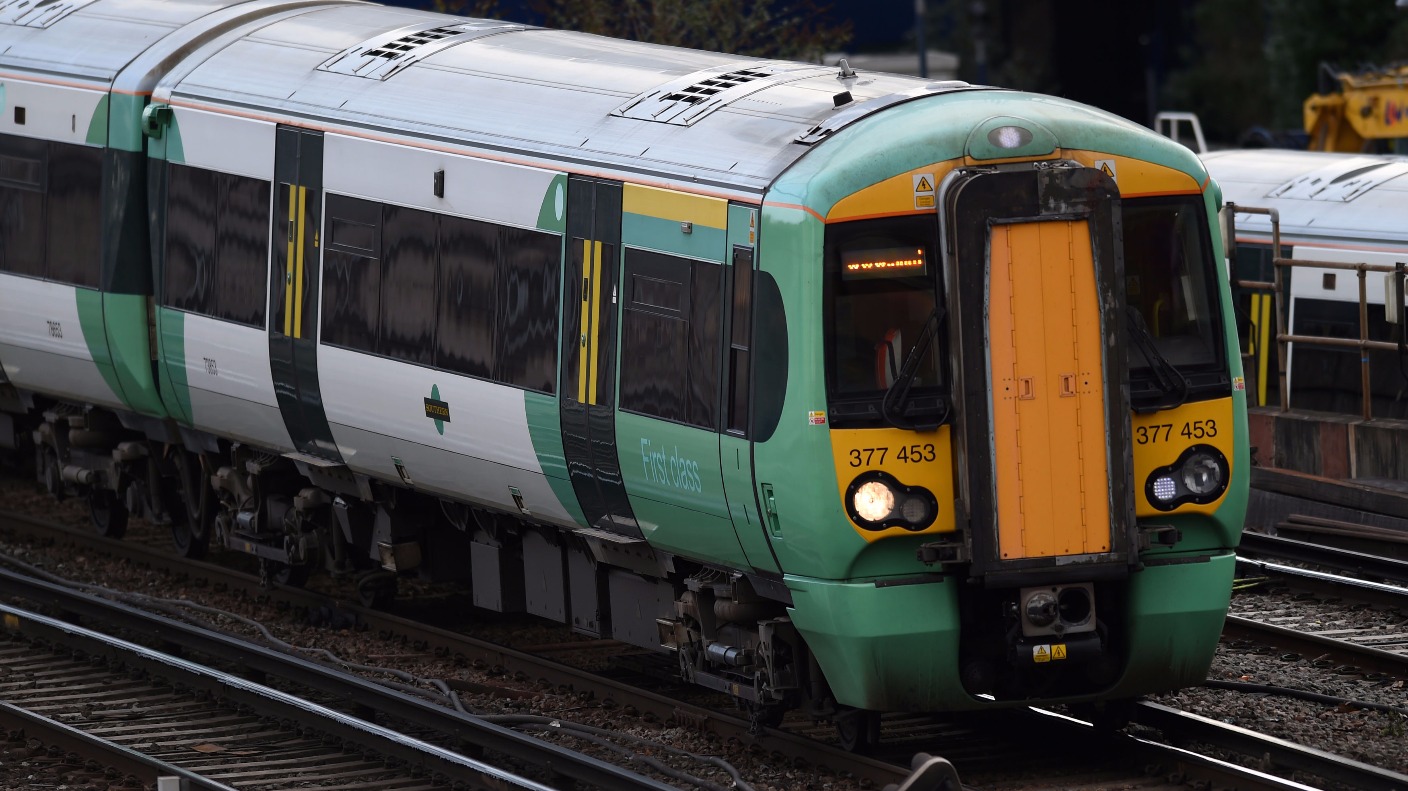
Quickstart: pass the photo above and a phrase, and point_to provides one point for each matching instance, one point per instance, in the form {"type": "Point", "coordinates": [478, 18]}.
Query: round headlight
{"type": "Point", "coordinates": [1202, 473]}
{"type": "Point", "coordinates": [1041, 608]}
{"type": "Point", "coordinates": [915, 511]}
{"type": "Point", "coordinates": [874, 501]}
{"type": "Point", "coordinates": [1009, 137]}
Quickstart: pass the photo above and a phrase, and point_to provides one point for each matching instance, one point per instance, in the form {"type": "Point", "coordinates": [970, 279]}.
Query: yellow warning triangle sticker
{"type": "Point", "coordinates": [1105, 168]}
{"type": "Point", "coordinates": [923, 185]}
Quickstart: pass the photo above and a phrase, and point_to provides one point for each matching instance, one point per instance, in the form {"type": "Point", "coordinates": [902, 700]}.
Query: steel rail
{"type": "Point", "coordinates": [1285, 755]}
{"type": "Point", "coordinates": [795, 747]}
{"type": "Point", "coordinates": [355, 692]}
{"type": "Point", "coordinates": [1298, 551]}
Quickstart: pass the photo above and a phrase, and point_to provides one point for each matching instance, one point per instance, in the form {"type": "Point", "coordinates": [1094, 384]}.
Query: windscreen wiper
{"type": "Point", "coordinates": [899, 389]}
{"type": "Point", "coordinates": [1166, 376]}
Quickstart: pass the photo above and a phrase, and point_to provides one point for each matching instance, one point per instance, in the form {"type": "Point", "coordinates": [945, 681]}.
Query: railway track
{"type": "Point", "coordinates": [978, 745]}
{"type": "Point", "coordinates": [151, 714]}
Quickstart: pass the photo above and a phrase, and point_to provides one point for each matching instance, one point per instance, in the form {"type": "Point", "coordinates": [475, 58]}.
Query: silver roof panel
{"type": "Point", "coordinates": [556, 95]}
{"type": "Point", "coordinates": [1350, 198]}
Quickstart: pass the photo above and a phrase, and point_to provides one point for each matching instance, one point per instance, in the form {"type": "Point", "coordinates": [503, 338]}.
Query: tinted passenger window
{"type": "Point", "coordinates": [75, 250]}
{"type": "Point", "coordinates": [352, 273]}
{"type": "Point", "coordinates": [23, 163]}
{"type": "Point", "coordinates": [408, 285]}
{"type": "Point", "coordinates": [468, 270]}
{"type": "Point", "coordinates": [461, 295]}
{"type": "Point", "coordinates": [671, 327]}
{"type": "Point", "coordinates": [528, 308]}
{"type": "Point", "coordinates": [217, 242]}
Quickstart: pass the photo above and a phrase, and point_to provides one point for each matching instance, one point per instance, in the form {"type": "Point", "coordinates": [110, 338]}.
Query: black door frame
{"type": "Point", "coordinates": [296, 261]}
{"type": "Point", "coordinates": [592, 263]}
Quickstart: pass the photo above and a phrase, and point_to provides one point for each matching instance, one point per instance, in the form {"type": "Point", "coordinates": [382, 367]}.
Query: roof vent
{"type": "Point", "coordinates": [686, 100]}
{"type": "Point", "coordinates": [38, 13]}
{"type": "Point", "coordinates": [1342, 180]}
{"type": "Point", "coordinates": [389, 53]}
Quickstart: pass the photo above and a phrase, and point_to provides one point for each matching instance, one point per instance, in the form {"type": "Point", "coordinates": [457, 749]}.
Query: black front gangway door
{"type": "Point", "coordinates": [293, 290]}
{"type": "Point", "coordinates": [588, 378]}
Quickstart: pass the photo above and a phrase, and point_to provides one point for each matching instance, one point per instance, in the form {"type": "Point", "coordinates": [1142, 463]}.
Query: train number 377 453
{"type": "Point", "coordinates": [1163, 432]}
{"type": "Point", "coordinates": [910, 454]}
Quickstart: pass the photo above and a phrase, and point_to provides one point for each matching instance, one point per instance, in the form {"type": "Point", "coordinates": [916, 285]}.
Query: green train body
{"type": "Point", "coordinates": [903, 396]}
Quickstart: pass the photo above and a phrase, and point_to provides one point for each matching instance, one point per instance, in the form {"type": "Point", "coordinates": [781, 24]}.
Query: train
{"type": "Point", "coordinates": [1330, 207]}
{"type": "Point", "coordinates": [850, 392]}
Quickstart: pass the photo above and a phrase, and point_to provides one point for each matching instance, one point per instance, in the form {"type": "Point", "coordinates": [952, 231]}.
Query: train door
{"type": "Point", "coordinates": [1039, 286]}
{"type": "Point", "coordinates": [293, 290]}
{"type": "Point", "coordinates": [589, 306]}
{"type": "Point", "coordinates": [735, 445]}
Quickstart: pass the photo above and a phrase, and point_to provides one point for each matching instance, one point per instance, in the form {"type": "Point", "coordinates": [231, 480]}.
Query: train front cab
{"type": "Point", "coordinates": [1047, 418]}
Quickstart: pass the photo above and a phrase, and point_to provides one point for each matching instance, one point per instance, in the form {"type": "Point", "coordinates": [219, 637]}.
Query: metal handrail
{"type": "Point", "coordinates": [1283, 337]}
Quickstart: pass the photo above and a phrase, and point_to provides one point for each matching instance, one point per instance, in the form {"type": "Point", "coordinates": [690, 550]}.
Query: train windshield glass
{"type": "Point", "coordinates": [880, 296]}
{"type": "Point", "coordinates": [1169, 283]}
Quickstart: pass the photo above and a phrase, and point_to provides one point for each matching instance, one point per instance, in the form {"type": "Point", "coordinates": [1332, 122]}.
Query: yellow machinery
{"type": "Point", "coordinates": [1369, 106]}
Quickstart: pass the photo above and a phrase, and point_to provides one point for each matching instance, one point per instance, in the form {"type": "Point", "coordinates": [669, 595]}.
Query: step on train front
{"type": "Point", "coordinates": [852, 392]}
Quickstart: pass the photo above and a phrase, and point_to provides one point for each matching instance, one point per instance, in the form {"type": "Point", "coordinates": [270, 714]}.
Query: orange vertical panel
{"type": "Point", "coordinates": [1049, 418]}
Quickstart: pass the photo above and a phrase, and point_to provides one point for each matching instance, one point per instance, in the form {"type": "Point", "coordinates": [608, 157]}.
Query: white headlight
{"type": "Point", "coordinates": [874, 501]}
{"type": "Point", "coordinates": [1165, 489]}
{"type": "Point", "coordinates": [1009, 137]}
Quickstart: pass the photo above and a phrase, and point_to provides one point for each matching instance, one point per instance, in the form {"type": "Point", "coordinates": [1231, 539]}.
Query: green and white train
{"type": "Point", "coordinates": [856, 392]}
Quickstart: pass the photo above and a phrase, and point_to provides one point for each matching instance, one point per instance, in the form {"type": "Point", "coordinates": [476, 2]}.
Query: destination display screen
{"type": "Point", "coordinates": [881, 262]}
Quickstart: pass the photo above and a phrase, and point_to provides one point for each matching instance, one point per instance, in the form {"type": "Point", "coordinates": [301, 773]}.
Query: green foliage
{"type": "Point", "coordinates": [1255, 62]}
{"type": "Point", "coordinates": [765, 28]}
{"type": "Point", "coordinates": [1228, 77]}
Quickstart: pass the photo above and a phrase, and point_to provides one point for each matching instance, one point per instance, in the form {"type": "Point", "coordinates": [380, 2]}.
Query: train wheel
{"type": "Point", "coordinates": [857, 729]}
{"type": "Point", "coordinates": [191, 504]}
{"type": "Point", "coordinates": [108, 513]}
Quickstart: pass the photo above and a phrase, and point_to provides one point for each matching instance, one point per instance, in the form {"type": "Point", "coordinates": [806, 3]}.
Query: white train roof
{"type": "Point", "coordinates": [1332, 198]}
{"type": "Point", "coordinates": [724, 121]}
{"type": "Point", "coordinates": [592, 104]}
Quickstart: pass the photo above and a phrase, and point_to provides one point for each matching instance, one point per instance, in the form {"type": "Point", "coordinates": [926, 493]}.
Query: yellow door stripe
{"type": "Point", "coordinates": [288, 262]}
{"type": "Point", "coordinates": [582, 351]}
{"type": "Point", "coordinates": [596, 319]}
{"type": "Point", "coordinates": [298, 276]}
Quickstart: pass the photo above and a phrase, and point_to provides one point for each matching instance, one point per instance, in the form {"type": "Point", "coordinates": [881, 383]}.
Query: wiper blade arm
{"type": "Point", "coordinates": [1166, 376]}
{"type": "Point", "coordinates": [898, 390]}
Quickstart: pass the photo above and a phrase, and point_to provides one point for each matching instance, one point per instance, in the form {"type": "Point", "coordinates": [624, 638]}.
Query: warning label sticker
{"type": "Point", "coordinates": [1107, 166]}
{"type": "Point", "coordinates": [1048, 653]}
{"type": "Point", "coordinates": [923, 190]}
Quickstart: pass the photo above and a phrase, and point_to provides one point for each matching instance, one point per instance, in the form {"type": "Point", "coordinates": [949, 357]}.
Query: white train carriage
{"type": "Point", "coordinates": [1346, 208]}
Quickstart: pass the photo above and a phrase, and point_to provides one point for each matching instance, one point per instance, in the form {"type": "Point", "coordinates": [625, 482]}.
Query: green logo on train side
{"type": "Point", "coordinates": [437, 410]}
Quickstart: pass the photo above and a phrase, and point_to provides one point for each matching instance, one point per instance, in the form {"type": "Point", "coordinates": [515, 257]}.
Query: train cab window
{"type": "Point", "coordinates": [217, 241]}
{"type": "Point", "coordinates": [670, 338]}
{"type": "Point", "coordinates": [881, 303]}
{"type": "Point", "coordinates": [23, 166]}
{"type": "Point", "coordinates": [1171, 291]}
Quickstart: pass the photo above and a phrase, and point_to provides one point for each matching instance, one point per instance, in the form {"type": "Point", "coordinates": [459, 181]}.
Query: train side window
{"type": "Point", "coordinates": [242, 249]}
{"type": "Point", "coordinates": [465, 340]}
{"type": "Point", "coordinates": [740, 339]}
{"type": "Point", "coordinates": [75, 214]}
{"type": "Point", "coordinates": [408, 259]}
{"type": "Point", "coordinates": [23, 167]}
{"type": "Point", "coordinates": [528, 309]}
{"type": "Point", "coordinates": [352, 273]}
{"type": "Point", "coordinates": [670, 325]}
{"type": "Point", "coordinates": [191, 202]}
